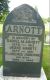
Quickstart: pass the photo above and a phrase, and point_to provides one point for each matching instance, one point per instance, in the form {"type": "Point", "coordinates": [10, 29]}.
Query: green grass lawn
{"type": "Point", "coordinates": [45, 62]}
{"type": "Point", "coordinates": [1, 27]}
{"type": "Point", "coordinates": [0, 56]}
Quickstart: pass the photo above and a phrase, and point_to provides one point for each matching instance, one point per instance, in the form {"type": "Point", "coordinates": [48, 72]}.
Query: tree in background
{"type": "Point", "coordinates": [48, 19]}
{"type": "Point", "coordinates": [3, 9]}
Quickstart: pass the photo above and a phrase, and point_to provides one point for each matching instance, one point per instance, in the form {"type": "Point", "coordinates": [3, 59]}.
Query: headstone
{"type": "Point", "coordinates": [23, 36]}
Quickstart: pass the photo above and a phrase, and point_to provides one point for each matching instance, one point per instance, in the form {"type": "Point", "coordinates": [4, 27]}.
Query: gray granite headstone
{"type": "Point", "coordinates": [23, 36]}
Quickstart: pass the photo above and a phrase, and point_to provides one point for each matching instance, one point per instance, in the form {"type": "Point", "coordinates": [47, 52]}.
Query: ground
{"type": "Point", "coordinates": [46, 61]}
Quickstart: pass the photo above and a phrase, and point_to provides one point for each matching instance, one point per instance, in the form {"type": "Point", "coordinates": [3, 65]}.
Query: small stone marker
{"type": "Point", "coordinates": [23, 36]}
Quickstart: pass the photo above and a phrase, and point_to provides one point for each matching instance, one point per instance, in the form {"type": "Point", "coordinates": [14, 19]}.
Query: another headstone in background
{"type": "Point", "coordinates": [23, 36]}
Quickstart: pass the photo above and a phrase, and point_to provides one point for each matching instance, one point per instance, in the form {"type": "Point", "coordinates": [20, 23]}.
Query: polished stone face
{"type": "Point", "coordinates": [23, 35]}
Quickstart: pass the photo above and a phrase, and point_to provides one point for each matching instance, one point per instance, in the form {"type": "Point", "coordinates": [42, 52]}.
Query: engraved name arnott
{"type": "Point", "coordinates": [23, 29]}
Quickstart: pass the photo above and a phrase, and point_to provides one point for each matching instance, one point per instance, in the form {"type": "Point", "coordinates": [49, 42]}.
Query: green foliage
{"type": "Point", "coordinates": [3, 9]}
{"type": "Point", "coordinates": [48, 19]}
{"type": "Point", "coordinates": [3, 17]}
{"type": "Point", "coordinates": [46, 32]}
{"type": "Point", "coordinates": [44, 20]}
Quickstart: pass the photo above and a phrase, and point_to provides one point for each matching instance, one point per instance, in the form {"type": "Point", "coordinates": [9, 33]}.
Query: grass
{"type": "Point", "coordinates": [1, 27]}
{"type": "Point", "coordinates": [0, 56]}
{"type": "Point", "coordinates": [45, 62]}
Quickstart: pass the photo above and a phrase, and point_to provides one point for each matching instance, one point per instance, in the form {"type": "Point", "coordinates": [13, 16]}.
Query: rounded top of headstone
{"type": "Point", "coordinates": [24, 13]}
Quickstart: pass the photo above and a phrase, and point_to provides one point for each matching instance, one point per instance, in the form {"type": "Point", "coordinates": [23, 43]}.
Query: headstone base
{"type": "Point", "coordinates": [42, 77]}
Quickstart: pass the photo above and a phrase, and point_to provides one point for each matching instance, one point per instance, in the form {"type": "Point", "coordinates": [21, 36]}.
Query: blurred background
{"type": "Point", "coordinates": [42, 6]}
